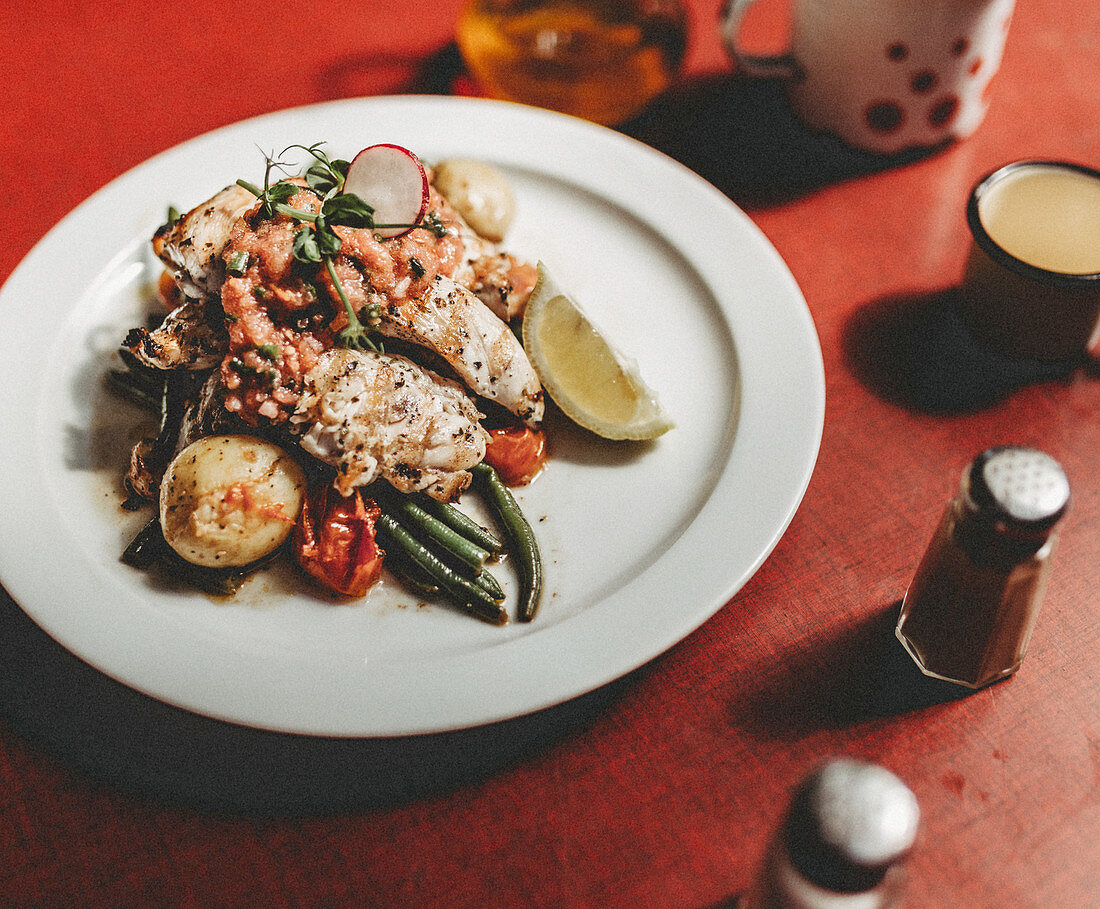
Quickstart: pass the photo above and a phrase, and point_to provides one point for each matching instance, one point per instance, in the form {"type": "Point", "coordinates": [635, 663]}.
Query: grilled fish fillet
{"type": "Point", "coordinates": [500, 280]}
{"type": "Point", "coordinates": [191, 247]}
{"type": "Point", "coordinates": [482, 350]}
{"type": "Point", "coordinates": [373, 415]}
{"type": "Point", "coordinates": [192, 336]}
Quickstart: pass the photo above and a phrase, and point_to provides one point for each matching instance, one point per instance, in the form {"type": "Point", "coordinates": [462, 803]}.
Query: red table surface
{"type": "Point", "coordinates": [661, 789]}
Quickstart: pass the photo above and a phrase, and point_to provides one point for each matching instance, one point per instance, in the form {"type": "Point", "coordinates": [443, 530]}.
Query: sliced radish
{"type": "Point", "coordinates": [392, 180]}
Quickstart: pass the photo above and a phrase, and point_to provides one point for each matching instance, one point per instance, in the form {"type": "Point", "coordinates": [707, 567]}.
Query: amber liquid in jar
{"type": "Point", "coordinates": [603, 60]}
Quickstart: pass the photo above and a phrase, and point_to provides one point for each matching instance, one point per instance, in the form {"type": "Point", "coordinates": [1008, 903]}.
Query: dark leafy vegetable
{"type": "Point", "coordinates": [147, 547]}
{"type": "Point", "coordinates": [149, 550]}
{"type": "Point", "coordinates": [136, 389]}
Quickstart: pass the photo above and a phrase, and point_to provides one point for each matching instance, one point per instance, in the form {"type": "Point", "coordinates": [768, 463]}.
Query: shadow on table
{"type": "Point", "coordinates": [738, 133]}
{"type": "Point", "coordinates": [741, 135]}
{"type": "Point", "coordinates": [142, 747]}
{"type": "Point", "coordinates": [840, 682]}
{"type": "Point", "coordinates": [375, 73]}
{"type": "Point", "coordinates": [915, 351]}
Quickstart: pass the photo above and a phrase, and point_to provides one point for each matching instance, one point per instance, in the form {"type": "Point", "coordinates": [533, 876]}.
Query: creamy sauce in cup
{"type": "Point", "coordinates": [1046, 216]}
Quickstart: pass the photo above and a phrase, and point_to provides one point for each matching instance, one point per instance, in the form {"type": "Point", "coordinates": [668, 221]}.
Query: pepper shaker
{"type": "Point", "coordinates": [968, 615]}
{"type": "Point", "coordinates": [843, 844]}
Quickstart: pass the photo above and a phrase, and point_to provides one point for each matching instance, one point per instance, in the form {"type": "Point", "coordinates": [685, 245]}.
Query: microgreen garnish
{"type": "Point", "coordinates": [270, 351]}
{"type": "Point", "coordinates": [315, 241]}
{"type": "Point", "coordinates": [349, 210]}
{"type": "Point", "coordinates": [273, 194]}
{"type": "Point", "coordinates": [354, 335]}
{"type": "Point", "coordinates": [325, 176]}
{"type": "Point", "coordinates": [305, 247]}
{"type": "Point", "coordinates": [433, 222]}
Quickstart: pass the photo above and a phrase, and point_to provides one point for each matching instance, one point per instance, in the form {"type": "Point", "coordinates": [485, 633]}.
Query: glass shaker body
{"type": "Point", "coordinates": [782, 886]}
{"type": "Point", "coordinates": [968, 615]}
{"type": "Point", "coordinates": [603, 60]}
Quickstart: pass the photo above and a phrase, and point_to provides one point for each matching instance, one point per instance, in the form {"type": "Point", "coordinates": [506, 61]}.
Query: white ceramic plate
{"type": "Point", "coordinates": [641, 543]}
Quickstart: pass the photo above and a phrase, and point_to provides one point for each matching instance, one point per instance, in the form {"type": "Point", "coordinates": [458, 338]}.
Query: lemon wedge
{"type": "Point", "coordinates": [592, 382]}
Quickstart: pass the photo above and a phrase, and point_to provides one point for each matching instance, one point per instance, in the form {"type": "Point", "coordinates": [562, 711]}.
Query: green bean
{"type": "Point", "coordinates": [463, 523]}
{"type": "Point", "coordinates": [490, 585]}
{"type": "Point", "coordinates": [417, 521]}
{"type": "Point", "coordinates": [461, 589]}
{"type": "Point", "coordinates": [146, 547]}
{"type": "Point", "coordinates": [411, 575]}
{"type": "Point", "coordinates": [520, 535]}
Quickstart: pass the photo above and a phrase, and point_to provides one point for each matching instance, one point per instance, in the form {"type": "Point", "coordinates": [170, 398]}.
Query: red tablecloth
{"type": "Point", "coordinates": [661, 789]}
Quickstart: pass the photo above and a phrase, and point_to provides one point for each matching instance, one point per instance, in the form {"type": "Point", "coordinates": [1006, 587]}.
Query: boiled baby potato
{"type": "Point", "coordinates": [480, 193]}
{"type": "Point", "coordinates": [226, 501]}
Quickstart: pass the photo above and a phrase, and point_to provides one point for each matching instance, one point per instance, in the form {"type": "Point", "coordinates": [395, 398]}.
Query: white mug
{"type": "Point", "coordinates": [885, 76]}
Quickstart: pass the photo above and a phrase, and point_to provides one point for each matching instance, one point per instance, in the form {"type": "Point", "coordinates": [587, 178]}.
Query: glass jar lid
{"type": "Point", "coordinates": [1022, 487]}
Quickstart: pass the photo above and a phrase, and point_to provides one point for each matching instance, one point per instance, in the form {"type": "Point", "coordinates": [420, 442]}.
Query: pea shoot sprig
{"type": "Point", "coordinates": [316, 242]}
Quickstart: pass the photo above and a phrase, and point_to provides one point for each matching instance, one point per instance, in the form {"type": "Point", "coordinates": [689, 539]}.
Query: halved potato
{"type": "Point", "coordinates": [479, 192]}
{"type": "Point", "coordinates": [226, 501]}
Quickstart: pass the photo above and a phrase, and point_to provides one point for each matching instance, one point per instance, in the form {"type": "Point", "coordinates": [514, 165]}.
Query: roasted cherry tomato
{"type": "Point", "coordinates": [334, 540]}
{"type": "Point", "coordinates": [517, 453]}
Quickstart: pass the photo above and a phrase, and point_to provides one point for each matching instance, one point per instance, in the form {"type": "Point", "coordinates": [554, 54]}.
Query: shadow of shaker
{"type": "Point", "coordinates": [915, 351]}
{"type": "Point", "coordinates": [859, 676]}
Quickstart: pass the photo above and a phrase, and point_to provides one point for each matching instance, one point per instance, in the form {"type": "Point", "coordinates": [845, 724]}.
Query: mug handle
{"type": "Point", "coordinates": [762, 65]}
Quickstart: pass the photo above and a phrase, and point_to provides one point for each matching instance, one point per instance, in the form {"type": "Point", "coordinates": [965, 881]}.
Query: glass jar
{"type": "Point", "coordinates": [603, 60]}
{"type": "Point", "coordinates": [968, 615]}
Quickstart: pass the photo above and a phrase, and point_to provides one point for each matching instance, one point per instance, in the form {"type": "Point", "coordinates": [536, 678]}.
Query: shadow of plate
{"type": "Point", "coordinates": [127, 741]}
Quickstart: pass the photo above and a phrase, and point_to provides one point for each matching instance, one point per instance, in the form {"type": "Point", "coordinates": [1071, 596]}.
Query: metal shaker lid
{"type": "Point", "coordinates": [848, 823]}
{"type": "Point", "coordinates": [1023, 487]}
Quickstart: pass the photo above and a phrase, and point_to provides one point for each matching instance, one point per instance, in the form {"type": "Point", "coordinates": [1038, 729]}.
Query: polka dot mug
{"type": "Point", "coordinates": [886, 76]}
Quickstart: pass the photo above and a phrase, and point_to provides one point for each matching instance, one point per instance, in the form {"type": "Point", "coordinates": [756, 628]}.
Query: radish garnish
{"type": "Point", "coordinates": [392, 180]}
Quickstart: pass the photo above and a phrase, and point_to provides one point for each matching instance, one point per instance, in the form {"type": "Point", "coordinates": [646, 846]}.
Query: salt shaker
{"type": "Point", "coordinates": [843, 844]}
{"type": "Point", "coordinates": [968, 615]}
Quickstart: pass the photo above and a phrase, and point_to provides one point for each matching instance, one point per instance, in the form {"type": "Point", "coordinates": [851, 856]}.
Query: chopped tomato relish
{"type": "Point", "coordinates": [281, 314]}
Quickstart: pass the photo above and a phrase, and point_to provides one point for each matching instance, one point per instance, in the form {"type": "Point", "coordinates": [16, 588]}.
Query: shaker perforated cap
{"type": "Point", "coordinates": [849, 823]}
{"type": "Point", "coordinates": [1021, 486]}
